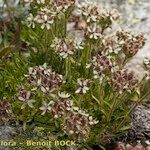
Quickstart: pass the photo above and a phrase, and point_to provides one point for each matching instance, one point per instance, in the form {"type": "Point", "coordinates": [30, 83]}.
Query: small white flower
{"type": "Point", "coordinates": [92, 121]}
{"type": "Point", "coordinates": [63, 95]}
{"type": "Point", "coordinates": [88, 65]}
{"type": "Point", "coordinates": [112, 14]}
{"type": "Point", "coordinates": [82, 86]}
{"type": "Point", "coordinates": [82, 112]}
{"type": "Point", "coordinates": [90, 118]}
{"type": "Point", "coordinates": [25, 96]}
{"type": "Point", "coordinates": [45, 66]}
{"type": "Point", "coordinates": [96, 121]}
{"type": "Point", "coordinates": [46, 107]}
{"type": "Point", "coordinates": [64, 54]}
{"type": "Point", "coordinates": [56, 42]}
{"type": "Point", "coordinates": [63, 47]}
{"type": "Point", "coordinates": [56, 116]}
{"type": "Point", "coordinates": [76, 108]}
{"type": "Point", "coordinates": [45, 20]}
{"type": "Point", "coordinates": [39, 82]}
{"type": "Point", "coordinates": [90, 11]}
{"type": "Point", "coordinates": [30, 70]}
{"type": "Point", "coordinates": [31, 21]}
{"type": "Point", "coordinates": [93, 33]}
{"type": "Point", "coordinates": [41, 1]}
{"type": "Point", "coordinates": [78, 45]}
{"type": "Point", "coordinates": [117, 50]}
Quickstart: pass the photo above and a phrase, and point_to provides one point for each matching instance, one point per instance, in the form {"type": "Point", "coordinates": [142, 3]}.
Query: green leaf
{"type": "Point", "coordinates": [5, 51]}
{"type": "Point", "coordinates": [107, 104]}
{"type": "Point", "coordinates": [24, 126]}
{"type": "Point", "coordinates": [102, 147]}
{"type": "Point", "coordinates": [104, 113]}
{"type": "Point", "coordinates": [1, 39]}
{"type": "Point", "coordinates": [95, 99]}
{"type": "Point", "coordinates": [125, 128]}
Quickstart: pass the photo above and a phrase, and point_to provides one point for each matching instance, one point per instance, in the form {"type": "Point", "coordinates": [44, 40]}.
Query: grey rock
{"type": "Point", "coordinates": [6, 134]}
{"type": "Point", "coordinates": [140, 123]}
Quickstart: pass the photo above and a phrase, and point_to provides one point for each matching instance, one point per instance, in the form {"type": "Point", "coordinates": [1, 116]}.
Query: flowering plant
{"type": "Point", "coordinates": [74, 80]}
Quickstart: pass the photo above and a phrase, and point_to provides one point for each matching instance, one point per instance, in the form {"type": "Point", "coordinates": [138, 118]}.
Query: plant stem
{"type": "Point", "coordinates": [87, 52]}
{"type": "Point", "coordinates": [46, 45]}
{"type": "Point", "coordinates": [68, 68]}
{"type": "Point", "coordinates": [55, 26]}
{"type": "Point", "coordinates": [85, 56]}
{"type": "Point", "coordinates": [65, 25]}
{"type": "Point", "coordinates": [115, 100]}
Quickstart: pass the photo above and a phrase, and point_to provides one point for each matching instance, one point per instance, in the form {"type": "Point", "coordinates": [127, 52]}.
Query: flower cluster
{"type": "Point", "coordinates": [25, 97]}
{"type": "Point", "coordinates": [78, 124]}
{"type": "Point", "coordinates": [42, 77]}
{"type": "Point", "coordinates": [5, 109]}
{"type": "Point", "coordinates": [66, 47]}
{"type": "Point", "coordinates": [90, 11]}
{"type": "Point", "coordinates": [111, 15]}
{"type": "Point", "coordinates": [61, 106]}
{"type": "Point", "coordinates": [92, 19]}
{"type": "Point", "coordinates": [46, 13]}
{"type": "Point", "coordinates": [123, 80]}
{"type": "Point", "coordinates": [111, 44]}
{"type": "Point", "coordinates": [75, 121]}
{"type": "Point", "coordinates": [44, 17]}
{"type": "Point", "coordinates": [122, 42]}
{"type": "Point", "coordinates": [83, 86]}
{"type": "Point", "coordinates": [63, 5]}
{"type": "Point", "coordinates": [132, 46]}
{"type": "Point", "coordinates": [132, 43]}
{"type": "Point", "coordinates": [102, 66]}
{"type": "Point", "coordinates": [30, 3]}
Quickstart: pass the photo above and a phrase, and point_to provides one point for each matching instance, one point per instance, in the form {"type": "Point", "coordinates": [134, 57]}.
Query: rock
{"type": "Point", "coordinates": [140, 123]}
{"type": "Point", "coordinates": [6, 133]}
{"type": "Point", "coordinates": [136, 63]}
